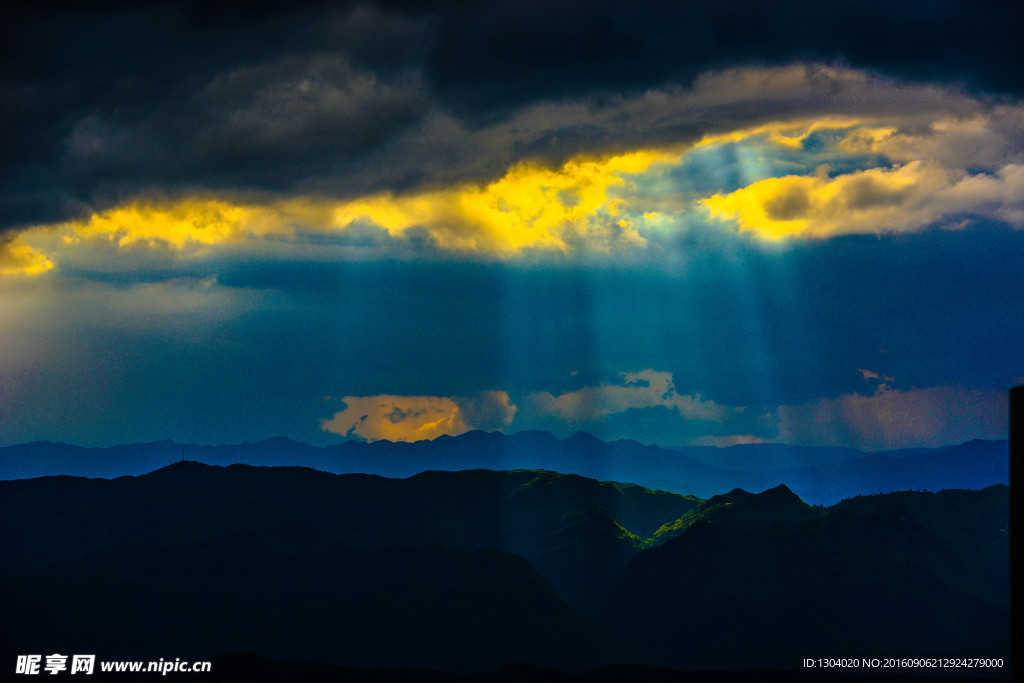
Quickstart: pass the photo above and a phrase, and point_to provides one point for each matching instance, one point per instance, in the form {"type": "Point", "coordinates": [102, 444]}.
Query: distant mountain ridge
{"type": "Point", "coordinates": [820, 476]}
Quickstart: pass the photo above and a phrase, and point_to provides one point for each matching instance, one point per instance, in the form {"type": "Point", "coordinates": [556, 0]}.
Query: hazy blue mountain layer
{"type": "Point", "coordinates": [821, 476]}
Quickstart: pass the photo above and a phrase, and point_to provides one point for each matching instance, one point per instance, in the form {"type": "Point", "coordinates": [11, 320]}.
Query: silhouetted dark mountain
{"type": "Point", "coordinates": [290, 593]}
{"type": "Point", "coordinates": [578, 532]}
{"type": "Point", "coordinates": [970, 524]}
{"type": "Point", "coordinates": [818, 475]}
{"type": "Point", "coordinates": [885, 574]}
{"type": "Point", "coordinates": [303, 565]}
{"type": "Point", "coordinates": [475, 570]}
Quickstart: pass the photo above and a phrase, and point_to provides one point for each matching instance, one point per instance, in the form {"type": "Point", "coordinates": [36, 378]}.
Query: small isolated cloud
{"type": "Point", "coordinates": [891, 418]}
{"type": "Point", "coordinates": [871, 375]}
{"type": "Point", "coordinates": [416, 418]}
{"type": "Point", "coordinates": [643, 389]}
{"type": "Point", "coordinates": [397, 418]}
{"type": "Point", "coordinates": [486, 410]}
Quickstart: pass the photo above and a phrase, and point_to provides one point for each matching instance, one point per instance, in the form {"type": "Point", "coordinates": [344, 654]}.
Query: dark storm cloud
{"type": "Point", "coordinates": [514, 51]}
{"type": "Point", "coordinates": [110, 100]}
{"type": "Point", "coordinates": [105, 101]}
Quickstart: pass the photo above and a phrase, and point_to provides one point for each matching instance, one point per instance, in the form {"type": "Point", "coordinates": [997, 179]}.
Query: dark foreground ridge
{"type": "Point", "coordinates": [469, 572]}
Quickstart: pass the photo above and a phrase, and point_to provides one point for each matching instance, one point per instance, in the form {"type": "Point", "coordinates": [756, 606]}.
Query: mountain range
{"type": "Point", "coordinates": [474, 570]}
{"type": "Point", "coordinates": [821, 476]}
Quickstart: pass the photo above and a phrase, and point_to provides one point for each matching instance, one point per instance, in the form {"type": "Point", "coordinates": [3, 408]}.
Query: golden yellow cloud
{"type": "Point", "coordinates": [19, 258]}
{"type": "Point", "coordinates": [530, 207]}
{"type": "Point", "coordinates": [415, 418]}
{"type": "Point", "coordinates": [397, 418]}
{"type": "Point", "coordinates": [876, 200]}
{"type": "Point", "coordinates": [182, 224]}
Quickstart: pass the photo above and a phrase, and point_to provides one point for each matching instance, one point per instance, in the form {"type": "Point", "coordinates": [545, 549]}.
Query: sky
{"type": "Point", "coordinates": [675, 223]}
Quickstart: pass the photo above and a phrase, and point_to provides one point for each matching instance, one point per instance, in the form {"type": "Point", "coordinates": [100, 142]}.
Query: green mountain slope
{"type": "Point", "coordinates": [865, 578]}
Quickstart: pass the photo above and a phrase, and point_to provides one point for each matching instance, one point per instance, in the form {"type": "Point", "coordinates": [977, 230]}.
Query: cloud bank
{"type": "Point", "coordinates": [825, 153]}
